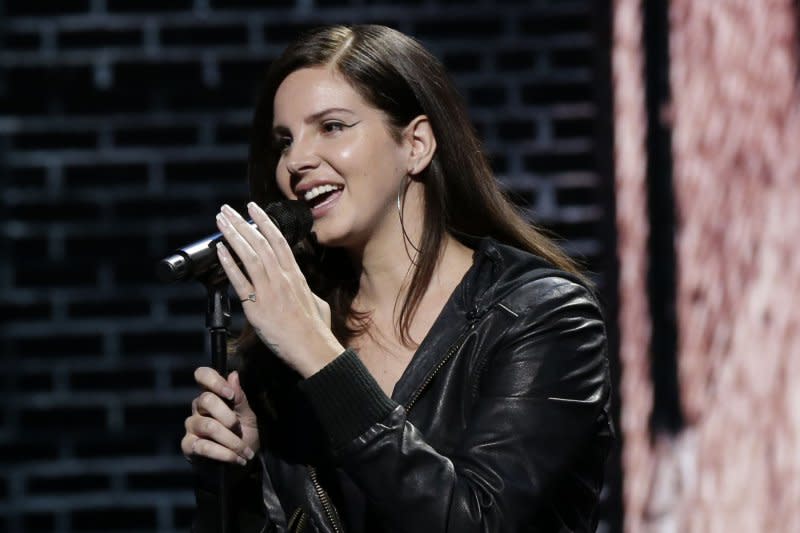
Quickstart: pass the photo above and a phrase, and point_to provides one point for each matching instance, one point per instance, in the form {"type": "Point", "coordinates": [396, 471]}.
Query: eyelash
{"type": "Point", "coordinates": [281, 144]}
{"type": "Point", "coordinates": [333, 125]}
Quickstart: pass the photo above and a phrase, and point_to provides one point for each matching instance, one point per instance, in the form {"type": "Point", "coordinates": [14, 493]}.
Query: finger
{"type": "Point", "coordinates": [209, 404]}
{"type": "Point", "coordinates": [283, 254]}
{"type": "Point", "coordinates": [254, 238]}
{"type": "Point", "coordinates": [210, 429]}
{"type": "Point", "coordinates": [239, 397]}
{"type": "Point", "coordinates": [213, 450]}
{"type": "Point", "coordinates": [249, 257]}
{"type": "Point", "coordinates": [240, 283]}
{"type": "Point", "coordinates": [282, 251]}
{"type": "Point", "coordinates": [209, 379]}
{"type": "Point", "coordinates": [187, 443]}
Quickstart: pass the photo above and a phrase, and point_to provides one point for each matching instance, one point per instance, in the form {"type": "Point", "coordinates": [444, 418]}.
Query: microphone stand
{"type": "Point", "coordinates": [218, 318]}
{"type": "Point", "coordinates": [198, 261]}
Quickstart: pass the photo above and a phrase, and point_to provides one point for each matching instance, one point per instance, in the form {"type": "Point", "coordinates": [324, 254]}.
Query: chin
{"type": "Point", "coordinates": [328, 234]}
{"type": "Point", "coordinates": [337, 237]}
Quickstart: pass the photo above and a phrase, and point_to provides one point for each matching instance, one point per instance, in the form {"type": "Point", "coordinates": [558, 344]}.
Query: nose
{"type": "Point", "coordinates": [301, 157]}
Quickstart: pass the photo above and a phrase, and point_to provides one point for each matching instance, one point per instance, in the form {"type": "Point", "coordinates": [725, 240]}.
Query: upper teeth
{"type": "Point", "coordinates": [316, 191]}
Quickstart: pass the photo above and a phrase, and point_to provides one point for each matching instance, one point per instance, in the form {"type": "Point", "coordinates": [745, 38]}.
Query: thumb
{"type": "Point", "coordinates": [236, 385]}
{"type": "Point", "coordinates": [240, 405]}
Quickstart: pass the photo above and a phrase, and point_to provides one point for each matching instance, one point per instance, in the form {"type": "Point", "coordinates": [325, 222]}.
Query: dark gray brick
{"type": "Point", "coordinates": [249, 4]}
{"type": "Point", "coordinates": [24, 451]}
{"type": "Point", "coordinates": [148, 6]}
{"type": "Point", "coordinates": [40, 521]}
{"type": "Point", "coordinates": [70, 40]}
{"type": "Point", "coordinates": [22, 41]}
{"type": "Point", "coordinates": [59, 346]}
{"type": "Point", "coordinates": [44, 8]}
{"type": "Point", "coordinates": [64, 419]}
{"type": "Point", "coordinates": [116, 518]}
{"type": "Point", "coordinates": [105, 175]}
{"type": "Point", "coordinates": [66, 484]}
{"type": "Point", "coordinates": [207, 35]}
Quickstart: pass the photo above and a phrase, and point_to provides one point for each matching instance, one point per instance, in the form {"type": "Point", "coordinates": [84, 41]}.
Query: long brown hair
{"type": "Point", "coordinates": [397, 75]}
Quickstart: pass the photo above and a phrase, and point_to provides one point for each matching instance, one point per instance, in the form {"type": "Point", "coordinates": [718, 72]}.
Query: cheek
{"type": "Point", "coordinates": [282, 180]}
{"type": "Point", "coordinates": [345, 152]}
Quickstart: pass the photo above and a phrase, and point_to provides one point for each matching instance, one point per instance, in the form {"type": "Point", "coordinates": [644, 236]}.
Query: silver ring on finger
{"type": "Point", "coordinates": [250, 298]}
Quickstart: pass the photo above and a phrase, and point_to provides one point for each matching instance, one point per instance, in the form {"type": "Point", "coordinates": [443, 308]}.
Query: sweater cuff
{"type": "Point", "coordinates": [346, 398]}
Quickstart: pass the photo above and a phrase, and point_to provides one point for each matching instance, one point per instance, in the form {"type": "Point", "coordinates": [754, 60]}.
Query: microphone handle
{"type": "Point", "coordinates": [194, 261]}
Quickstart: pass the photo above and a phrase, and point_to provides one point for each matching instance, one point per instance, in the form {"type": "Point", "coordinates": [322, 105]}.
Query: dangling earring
{"type": "Point", "coordinates": [401, 192]}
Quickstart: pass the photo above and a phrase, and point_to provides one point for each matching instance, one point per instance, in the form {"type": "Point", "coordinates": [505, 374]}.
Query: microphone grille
{"type": "Point", "coordinates": [293, 218]}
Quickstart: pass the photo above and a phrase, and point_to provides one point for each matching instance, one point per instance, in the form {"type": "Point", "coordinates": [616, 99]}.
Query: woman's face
{"type": "Point", "coordinates": [337, 154]}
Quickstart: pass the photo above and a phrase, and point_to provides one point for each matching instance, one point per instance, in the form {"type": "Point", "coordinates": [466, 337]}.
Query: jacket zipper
{"type": "Point", "coordinates": [330, 511]}
{"type": "Point", "coordinates": [297, 522]}
{"type": "Point", "coordinates": [456, 346]}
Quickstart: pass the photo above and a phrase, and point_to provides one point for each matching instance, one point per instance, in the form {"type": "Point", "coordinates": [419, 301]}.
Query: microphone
{"type": "Point", "coordinates": [199, 259]}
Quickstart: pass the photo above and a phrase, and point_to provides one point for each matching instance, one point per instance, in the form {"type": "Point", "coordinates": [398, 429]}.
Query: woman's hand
{"type": "Point", "coordinates": [225, 431]}
{"type": "Point", "coordinates": [275, 296]}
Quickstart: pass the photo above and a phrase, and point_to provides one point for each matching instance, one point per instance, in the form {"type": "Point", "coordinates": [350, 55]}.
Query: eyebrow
{"type": "Point", "coordinates": [279, 128]}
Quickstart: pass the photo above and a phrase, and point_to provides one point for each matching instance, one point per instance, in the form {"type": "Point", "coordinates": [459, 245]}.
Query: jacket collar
{"type": "Point", "coordinates": [497, 269]}
{"type": "Point", "coordinates": [471, 298]}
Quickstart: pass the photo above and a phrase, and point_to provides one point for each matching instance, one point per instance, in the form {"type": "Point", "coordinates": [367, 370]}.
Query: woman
{"type": "Point", "coordinates": [435, 364]}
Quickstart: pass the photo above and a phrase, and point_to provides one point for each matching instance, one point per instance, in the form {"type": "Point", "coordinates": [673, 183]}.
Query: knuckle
{"type": "Point", "coordinates": [241, 446]}
{"type": "Point", "coordinates": [262, 245]}
{"type": "Point", "coordinates": [207, 399]}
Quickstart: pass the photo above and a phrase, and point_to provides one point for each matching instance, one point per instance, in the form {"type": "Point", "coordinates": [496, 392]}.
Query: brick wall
{"type": "Point", "coordinates": [123, 128]}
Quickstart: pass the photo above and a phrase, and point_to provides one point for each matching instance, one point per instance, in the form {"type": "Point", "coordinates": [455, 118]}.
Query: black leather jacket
{"type": "Point", "coordinates": [499, 424]}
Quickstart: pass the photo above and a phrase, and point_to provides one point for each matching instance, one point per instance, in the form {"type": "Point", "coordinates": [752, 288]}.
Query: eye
{"type": "Point", "coordinates": [332, 126]}
{"type": "Point", "coordinates": [282, 143]}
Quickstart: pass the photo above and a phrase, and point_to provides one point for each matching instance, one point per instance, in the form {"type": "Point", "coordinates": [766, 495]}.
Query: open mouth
{"type": "Point", "coordinates": [319, 195]}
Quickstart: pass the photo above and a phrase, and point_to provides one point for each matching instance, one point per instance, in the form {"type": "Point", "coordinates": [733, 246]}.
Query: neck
{"type": "Point", "coordinates": [387, 261]}
{"type": "Point", "coordinates": [387, 258]}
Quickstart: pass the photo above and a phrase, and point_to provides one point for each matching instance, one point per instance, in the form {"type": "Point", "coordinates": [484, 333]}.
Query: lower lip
{"type": "Point", "coordinates": [323, 209]}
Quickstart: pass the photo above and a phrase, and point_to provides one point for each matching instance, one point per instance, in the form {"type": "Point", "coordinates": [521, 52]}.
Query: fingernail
{"type": "Point", "coordinates": [241, 461]}
{"type": "Point", "coordinates": [228, 210]}
{"type": "Point", "coordinates": [249, 453]}
{"type": "Point", "coordinates": [221, 220]}
{"type": "Point", "coordinates": [252, 207]}
{"type": "Point", "coordinates": [227, 392]}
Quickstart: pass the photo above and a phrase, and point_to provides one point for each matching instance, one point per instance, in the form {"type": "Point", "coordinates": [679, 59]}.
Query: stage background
{"type": "Point", "coordinates": [707, 126]}
{"type": "Point", "coordinates": [123, 127]}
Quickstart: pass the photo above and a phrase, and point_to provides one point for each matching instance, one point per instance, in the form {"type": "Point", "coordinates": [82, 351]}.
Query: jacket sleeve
{"type": "Point", "coordinates": [540, 397]}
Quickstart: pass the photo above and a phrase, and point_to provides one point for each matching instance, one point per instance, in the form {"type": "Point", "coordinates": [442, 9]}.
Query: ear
{"type": "Point", "coordinates": [422, 143]}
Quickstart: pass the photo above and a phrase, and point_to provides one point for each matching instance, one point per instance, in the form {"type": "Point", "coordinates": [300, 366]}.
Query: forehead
{"type": "Point", "coordinates": [308, 91]}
